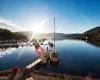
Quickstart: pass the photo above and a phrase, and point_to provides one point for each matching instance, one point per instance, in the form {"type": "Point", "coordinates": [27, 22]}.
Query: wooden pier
{"type": "Point", "coordinates": [38, 60]}
{"type": "Point", "coordinates": [33, 63]}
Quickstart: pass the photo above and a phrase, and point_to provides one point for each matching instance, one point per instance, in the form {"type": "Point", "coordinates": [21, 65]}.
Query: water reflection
{"type": "Point", "coordinates": [6, 51]}
{"type": "Point", "coordinates": [95, 43]}
{"type": "Point", "coordinates": [51, 63]}
{"type": "Point", "coordinates": [40, 65]}
{"type": "Point", "coordinates": [5, 47]}
{"type": "Point", "coordinates": [54, 64]}
{"type": "Point", "coordinates": [76, 57]}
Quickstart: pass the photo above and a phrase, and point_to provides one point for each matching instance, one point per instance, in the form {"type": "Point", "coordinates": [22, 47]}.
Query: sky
{"type": "Point", "coordinates": [72, 16]}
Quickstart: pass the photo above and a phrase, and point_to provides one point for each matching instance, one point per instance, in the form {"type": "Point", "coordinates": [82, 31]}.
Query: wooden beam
{"type": "Point", "coordinates": [34, 63]}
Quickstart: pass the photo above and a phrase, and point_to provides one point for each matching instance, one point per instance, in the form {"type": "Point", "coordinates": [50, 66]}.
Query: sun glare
{"type": "Point", "coordinates": [40, 27]}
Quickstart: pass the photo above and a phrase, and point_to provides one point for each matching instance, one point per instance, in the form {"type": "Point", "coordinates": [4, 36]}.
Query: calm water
{"type": "Point", "coordinates": [76, 58]}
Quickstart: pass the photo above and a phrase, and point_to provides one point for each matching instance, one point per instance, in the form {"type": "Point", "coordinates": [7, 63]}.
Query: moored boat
{"type": "Point", "coordinates": [54, 57]}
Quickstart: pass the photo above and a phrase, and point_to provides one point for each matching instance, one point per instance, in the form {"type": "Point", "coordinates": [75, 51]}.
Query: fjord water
{"type": "Point", "coordinates": [76, 58]}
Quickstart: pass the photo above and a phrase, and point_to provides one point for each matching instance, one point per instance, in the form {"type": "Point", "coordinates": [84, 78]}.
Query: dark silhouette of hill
{"type": "Point", "coordinates": [92, 34]}
{"type": "Point", "coordinates": [7, 34]}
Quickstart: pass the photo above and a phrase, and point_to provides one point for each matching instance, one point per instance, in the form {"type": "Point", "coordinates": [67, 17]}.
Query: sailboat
{"type": "Point", "coordinates": [54, 55]}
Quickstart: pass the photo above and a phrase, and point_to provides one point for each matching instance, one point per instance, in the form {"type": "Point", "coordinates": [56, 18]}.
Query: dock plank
{"type": "Point", "coordinates": [34, 63]}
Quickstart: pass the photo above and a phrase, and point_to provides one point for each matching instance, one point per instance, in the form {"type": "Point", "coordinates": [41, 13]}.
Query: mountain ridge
{"type": "Point", "coordinates": [93, 33]}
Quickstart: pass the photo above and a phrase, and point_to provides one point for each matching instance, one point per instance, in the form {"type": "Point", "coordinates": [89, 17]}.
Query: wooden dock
{"type": "Point", "coordinates": [37, 61]}
{"type": "Point", "coordinates": [34, 63]}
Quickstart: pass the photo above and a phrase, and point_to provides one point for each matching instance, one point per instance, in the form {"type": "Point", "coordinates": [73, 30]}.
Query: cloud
{"type": "Point", "coordinates": [6, 21]}
{"type": "Point", "coordinates": [10, 25]}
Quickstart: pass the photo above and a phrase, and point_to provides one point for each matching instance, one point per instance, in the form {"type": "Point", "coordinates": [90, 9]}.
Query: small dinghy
{"type": "Point", "coordinates": [54, 57]}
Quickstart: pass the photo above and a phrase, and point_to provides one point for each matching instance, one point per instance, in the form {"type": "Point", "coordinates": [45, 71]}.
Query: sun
{"type": "Point", "coordinates": [40, 27]}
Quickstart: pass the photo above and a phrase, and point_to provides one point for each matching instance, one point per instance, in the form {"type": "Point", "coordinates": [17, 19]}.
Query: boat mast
{"type": "Point", "coordinates": [54, 34]}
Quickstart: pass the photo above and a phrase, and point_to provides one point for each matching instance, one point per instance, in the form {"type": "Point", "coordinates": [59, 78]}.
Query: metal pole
{"type": "Point", "coordinates": [54, 34]}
